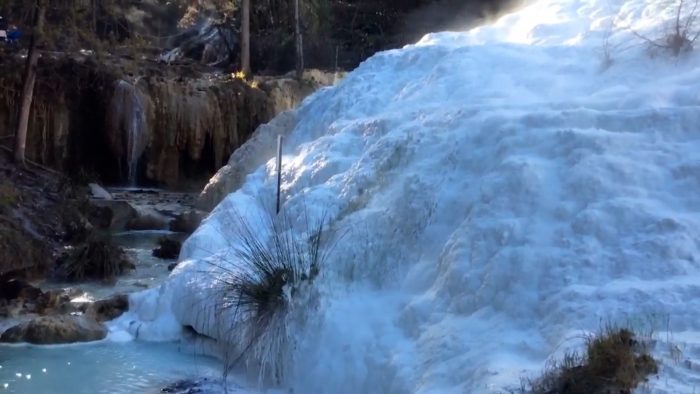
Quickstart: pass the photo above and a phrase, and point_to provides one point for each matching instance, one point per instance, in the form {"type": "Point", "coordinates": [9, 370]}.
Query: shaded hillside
{"type": "Point", "coordinates": [338, 33]}
{"type": "Point", "coordinates": [138, 121]}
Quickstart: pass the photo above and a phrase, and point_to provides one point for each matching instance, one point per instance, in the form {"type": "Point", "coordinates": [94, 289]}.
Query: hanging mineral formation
{"type": "Point", "coordinates": [127, 126]}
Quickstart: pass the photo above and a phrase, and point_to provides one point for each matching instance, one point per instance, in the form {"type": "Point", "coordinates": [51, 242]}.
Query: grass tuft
{"type": "Point", "coordinates": [96, 259]}
{"type": "Point", "coordinates": [271, 265]}
{"type": "Point", "coordinates": [616, 361]}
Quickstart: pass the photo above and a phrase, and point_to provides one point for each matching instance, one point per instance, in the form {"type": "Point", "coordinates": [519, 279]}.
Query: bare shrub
{"type": "Point", "coordinates": [616, 361]}
{"type": "Point", "coordinates": [681, 36]}
{"type": "Point", "coordinates": [97, 259]}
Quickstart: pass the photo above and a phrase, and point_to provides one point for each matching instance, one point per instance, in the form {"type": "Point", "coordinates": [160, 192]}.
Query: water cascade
{"type": "Point", "coordinates": [126, 125]}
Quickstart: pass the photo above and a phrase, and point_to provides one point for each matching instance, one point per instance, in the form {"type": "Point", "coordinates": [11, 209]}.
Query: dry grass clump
{"type": "Point", "coordinates": [96, 259]}
{"type": "Point", "coordinates": [616, 361]}
{"type": "Point", "coordinates": [682, 34]}
{"type": "Point", "coordinates": [270, 267]}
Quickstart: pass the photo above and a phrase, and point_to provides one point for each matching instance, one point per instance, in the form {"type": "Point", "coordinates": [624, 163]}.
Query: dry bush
{"type": "Point", "coordinates": [96, 259]}
{"type": "Point", "coordinates": [616, 361]}
{"type": "Point", "coordinates": [681, 36]}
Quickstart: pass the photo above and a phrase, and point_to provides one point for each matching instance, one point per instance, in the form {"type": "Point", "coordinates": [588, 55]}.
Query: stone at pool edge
{"type": "Point", "coordinates": [54, 330]}
{"type": "Point", "coordinates": [168, 248]}
{"type": "Point", "coordinates": [109, 309]}
{"type": "Point", "coordinates": [97, 191]}
{"type": "Point", "coordinates": [121, 212]}
{"type": "Point", "coordinates": [190, 386]}
{"type": "Point", "coordinates": [147, 221]}
{"type": "Point", "coordinates": [187, 222]}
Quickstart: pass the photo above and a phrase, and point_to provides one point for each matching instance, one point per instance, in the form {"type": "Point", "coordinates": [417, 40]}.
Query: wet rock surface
{"type": "Point", "coordinates": [183, 121]}
{"type": "Point", "coordinates": [113, 214]}
{"type": "Point", "coordinates": [199, 386]}
{"type": "Point", "coordinates": [54, 235]}
{"type": "Point", "coordinates": [149, 221]}
{"type": "Point", "coordinates": [20, 299]}
{"type": "Point", "coordinates": [48, 330]}
{"type": "Point", "coordinates": [50, 317]}
{"type": "Point", "coordinates": [168, 248]}
{"type": "Point", "coordinates": [13, 289]}
{"type": "Point", "coordinates": [98, 192]}
{"type": "Point", "coordinates": [187, 222]}
{"type": "Point", "coordinates": [254, 153]}
{"type": "Point", "coordinates": [109, 309]}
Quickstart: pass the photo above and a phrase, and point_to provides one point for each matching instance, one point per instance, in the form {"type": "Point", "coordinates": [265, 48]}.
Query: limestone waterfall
{"type": "Point", "coordinates": [127, 126]}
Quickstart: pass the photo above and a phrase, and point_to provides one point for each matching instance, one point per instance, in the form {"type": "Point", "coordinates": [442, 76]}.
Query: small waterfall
{"type": "Point", "coordinates": [126, 126]}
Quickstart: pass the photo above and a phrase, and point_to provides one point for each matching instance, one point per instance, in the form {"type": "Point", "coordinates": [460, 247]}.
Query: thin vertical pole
{"type": "Point", "coordinates": [299, 41]}
{"type": "Point", "coordinates": [279, 170]}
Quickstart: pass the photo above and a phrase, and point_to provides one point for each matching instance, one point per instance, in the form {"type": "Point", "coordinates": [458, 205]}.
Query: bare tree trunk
{"type": "Point", "coordinates": [94, 16]}
{"type": "Point", "coordinates": [245, 37]}
{"type": "Point", "coordinates": [299, 40]}
{"type": "Point", "coordinates": [29, 82]}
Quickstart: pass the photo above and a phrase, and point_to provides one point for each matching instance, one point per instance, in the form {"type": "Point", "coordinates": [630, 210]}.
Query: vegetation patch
{"type": "Point", "coordinates": [616, 361]}
{"type": "Point", "coordinates": [272, 267]}
{"type": "Point", "coordinates": [96, 259]}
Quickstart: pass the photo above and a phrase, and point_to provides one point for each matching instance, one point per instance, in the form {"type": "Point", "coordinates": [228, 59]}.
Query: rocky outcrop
{"type": "Point", "coordinates": [16, 289]}
{"type": "Point", "coordinates": [187, 222]}
{"type": "Point", "coordinates": [168, 248]}
{"type": "Point", "coordinates": [112, 214]}
{"type": "Point", "coordinates": [30, 221]}
{"type": "Point", "coordinates": [109, 309]}
{"type": "Point", "coordinates": [19, 298]}
{"type": "Point", "coordinates": [195, 126]}
{"type": "Point", "coordinates": [143, 122]}
{"type": "Point", "coordinates": [170, 125]}
{"type": "Point", "coordinates": [60, 320]}
{"type": "Point", "coordinates": [254, 153]}
{"type": "Point", "coordinates": [148, 221]}
{"type": "Point", "coordinates": [206, 42]}
{"type": "Point", "coordinates": [48, 330]}
{"type": "Point", "coordinates": [286, 92]}
{"type": "Point", "coordinates": [20, 251]}
{"type": "Point", "coordinates": [98, 192]}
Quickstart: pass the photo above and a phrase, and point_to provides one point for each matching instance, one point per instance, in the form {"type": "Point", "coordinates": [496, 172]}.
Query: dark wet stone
{"type": "Point", "coordinates": [50, 330]}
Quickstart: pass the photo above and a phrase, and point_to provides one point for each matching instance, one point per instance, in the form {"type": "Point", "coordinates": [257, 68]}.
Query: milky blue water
{"type": "Point", "coordinates": [99, 368]}
{"type": "Point", "coordinates": [106, 367]}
